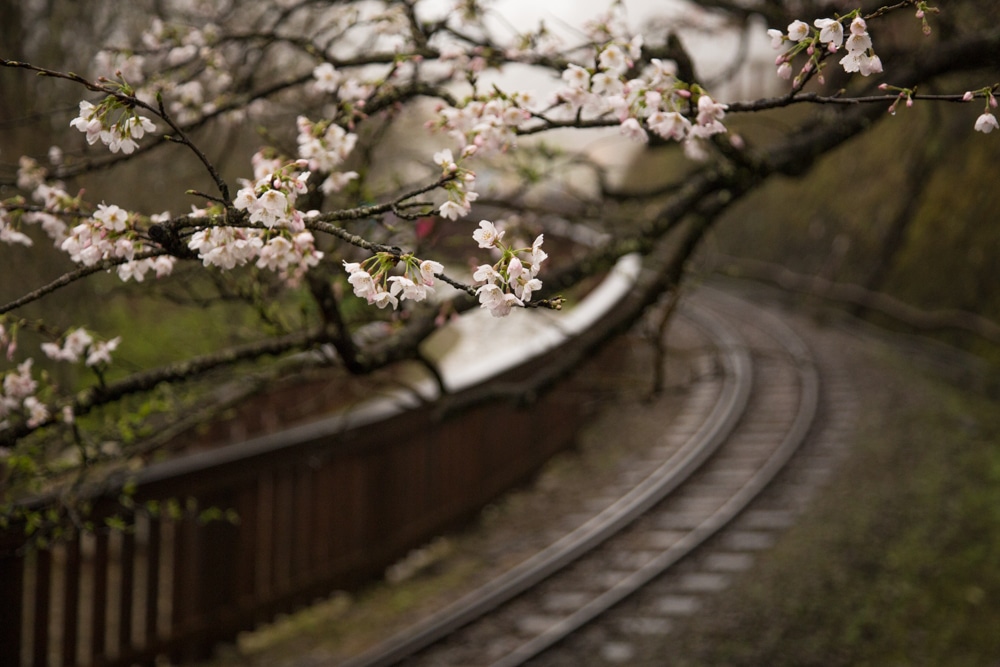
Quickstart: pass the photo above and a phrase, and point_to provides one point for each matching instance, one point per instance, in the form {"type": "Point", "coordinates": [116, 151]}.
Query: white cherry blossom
{"type": "Point", "coordinates": [327, 78]}
{"type": "Point", "coordinates": [383, 299]}
{"type": "Point", "coordinates": [537, 254]}
{"type": "Point", "coordinates": [631, 128]}
{"type": "Point", "coordinates": [100, 352]}
{"type": "Point", "coordinates": [986, 123]}
{"type": "Point", "coordinates": [486, 274]}
{"type": "Point", "coordinates": [613, 60]}
{"type": "Point", "coordinates": [37, 412]}
{"type": "Point", "coordinates": [831, 32]}
{"type": "Point", "coordinates": [797, 30]}
{"type": "Point", "coordinates": [576, 77]}
{"type": "Point", "coordinates": [453, 210]}
{"type": "Point", "coordinates": [428, 269]}
{"type": "Point", "coordinates": [405, 288]}
{"type": "Point", "coordinates": [487, 235]}
{"type": "Point", "coordinates": [777, 38]}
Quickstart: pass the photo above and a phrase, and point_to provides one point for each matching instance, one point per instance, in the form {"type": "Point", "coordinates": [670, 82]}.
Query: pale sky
{"type": "Point", "coordinates": [711, 53]}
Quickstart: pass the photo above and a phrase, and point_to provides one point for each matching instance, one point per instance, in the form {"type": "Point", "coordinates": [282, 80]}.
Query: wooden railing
{"type": "Point", "coordinates": [323, 506]}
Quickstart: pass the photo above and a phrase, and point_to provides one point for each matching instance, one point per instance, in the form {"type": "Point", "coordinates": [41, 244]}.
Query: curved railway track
{"type": "Point", "coordinates": [595, 588]}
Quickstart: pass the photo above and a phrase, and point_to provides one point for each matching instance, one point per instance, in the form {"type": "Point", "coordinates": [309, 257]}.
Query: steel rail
{"type": "Point", "coordinates": [796, 435]}
{"type": "Point", "coordinates": [737, 370]}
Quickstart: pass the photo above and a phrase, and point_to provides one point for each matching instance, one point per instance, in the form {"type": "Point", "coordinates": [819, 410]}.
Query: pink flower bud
{"type": "Point", "coordinates": [968, 96]}
{"type": "Point", "coordinates": [883, 86]}
{"type": "Point", "coordinates": [993, 101]}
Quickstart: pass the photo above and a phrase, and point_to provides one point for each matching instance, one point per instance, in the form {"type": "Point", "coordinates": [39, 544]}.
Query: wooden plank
{"type": "Point", "coordinates": [302, 498]}
{"type": "Point", "coordinates": [185, 610]}
{"type": "Point", "coordinates": [43, 598]}
{"type": "Point", "coordinates": [151, 599]}
{"type": "Point", "coordinates": [71, 602]}
{"type": "Point", "coordinates": [248, 505]}
{"type": "Point", "coordinates": [283, 527]}
{"type": "Point", "coordinates": [99, 599]}
{"type": "Point", "coordinates": [264, 529]}
{"type": "Point", "coordinates": [126, 593]}
{"type": "Point", "coordinates": [12, 593]}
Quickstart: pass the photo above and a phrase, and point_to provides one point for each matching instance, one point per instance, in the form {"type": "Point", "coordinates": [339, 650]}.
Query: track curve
{"type": "Point", "coordinates": [766, 375]}
{"type": "Point", "coordinates": [638, 631]}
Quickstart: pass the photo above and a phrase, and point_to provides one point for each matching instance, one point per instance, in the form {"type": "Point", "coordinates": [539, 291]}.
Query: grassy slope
{"type": "Point", "coordinates": [896, 565]}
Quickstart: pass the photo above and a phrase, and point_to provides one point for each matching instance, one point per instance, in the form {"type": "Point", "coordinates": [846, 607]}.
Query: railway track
{"type": "Point", "coordinates": [687, 517]}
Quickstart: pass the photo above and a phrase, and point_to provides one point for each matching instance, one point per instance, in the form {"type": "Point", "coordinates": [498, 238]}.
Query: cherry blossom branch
{"type": "Point", "coordinates": [112, 160]}
{"type": "Point", "coordinates": [72, 277]}
{"type": "Point", "coordinates": [69, 76]}
{"type": "Point", "coordinates": [130, 100]}
{"type": "Point", "coordinates": [97, 396]}
{"type": "Point", "coordinates": [817, 98]}
{"type": "Point", "coordinates": [181, 137]}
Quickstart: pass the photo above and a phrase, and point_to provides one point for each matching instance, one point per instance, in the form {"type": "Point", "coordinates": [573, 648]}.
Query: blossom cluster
{"type": "Point", "coordinates": [18, 396]}
{"type": "Point", "coordinates": [288, 251]}
{"type": "Point", "coordinates": [654, 101]}
{"type": "Point", "coordinates": [283, 245]}
{"type": "Point", "coordinates": [121, 134]}
{"type": "Point", "coordinates": [860, 56]}
{"type": "Point", "coordinates": [485, 126]}
{"type": "Point", "coordinates": [325, 146]}
{"type": "Point", "coordinates": [827, 36]}
{"type": "Point", "coordinates": [9, 232]}
{"type": "Point", "coordinates": [79, 344]}
{"type": "Point", "coordinates": [458, 186]}
{"type": "Point", "coordinates": [111, 233]}
{"type": "Point", "coordinates": [513, 279]}
{"type": "Point", "coordinates": [270, 200]}
{"type": "Point", "coordinates": [349, 89]}
{"type": "Point", "coordinates": [371, 280]}
{"type": "Point", "coordinates": [186, 67]}
{"type": "Point", "coordinates": [21, 392]}
{"type": "Point", "coordinates": [51, 195]}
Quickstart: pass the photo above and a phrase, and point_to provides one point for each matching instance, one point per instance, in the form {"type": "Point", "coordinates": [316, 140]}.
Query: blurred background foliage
{"type": "Point", "coordinates": [909, 209]}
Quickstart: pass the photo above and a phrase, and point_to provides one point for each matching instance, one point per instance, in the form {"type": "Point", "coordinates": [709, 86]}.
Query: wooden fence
{"type": "Point", "coordinates": [326, 506]}
{"type": "Point", "coordinates": [323, 506]}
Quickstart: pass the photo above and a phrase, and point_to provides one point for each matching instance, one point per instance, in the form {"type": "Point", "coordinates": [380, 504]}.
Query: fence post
{"type": "Point", "coordinates": [11, 599]}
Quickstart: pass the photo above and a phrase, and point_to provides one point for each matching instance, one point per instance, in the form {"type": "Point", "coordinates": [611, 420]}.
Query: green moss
{"type": "Point", "coordinates": [897, 565]}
